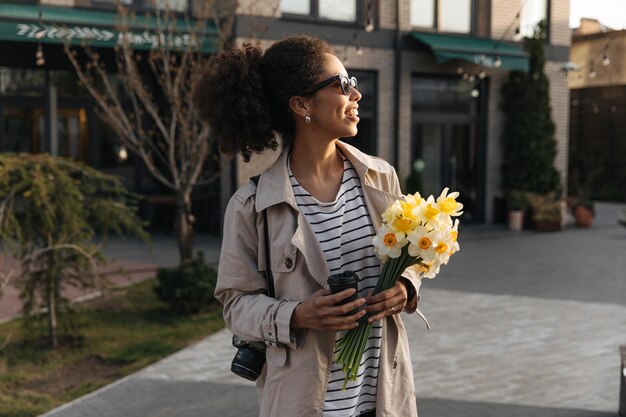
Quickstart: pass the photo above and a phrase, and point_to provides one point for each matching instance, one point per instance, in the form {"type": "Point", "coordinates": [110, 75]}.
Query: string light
{"type": "Point", "coordinates": [592, 71]}
{"type": "Point", "coordinates": [369, 23]}
{"type": "Point", "coordinates": [40, 60]}
{"type": "Point", "coordinates": [605, 56]}
{"type": "Point", "coordinates": [498, 62]}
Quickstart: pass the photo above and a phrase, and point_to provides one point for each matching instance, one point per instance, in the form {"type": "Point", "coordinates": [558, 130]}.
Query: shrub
{"type": "Point", "coordinates": [188, 288]}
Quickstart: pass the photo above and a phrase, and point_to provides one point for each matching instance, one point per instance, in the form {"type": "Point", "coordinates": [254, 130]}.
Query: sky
{"type": "Point", "coordinates": [611, 13]}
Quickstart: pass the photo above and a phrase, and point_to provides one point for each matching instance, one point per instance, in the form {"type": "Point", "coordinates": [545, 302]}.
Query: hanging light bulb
{"type": "Point", "coordinates": [518, 34]}
{"type": "Point", "coordinates": [369, 26]}
{"type": "Point", "coordinates": [471, 78]}
{"type": "Point", "coordinates": [39, 58]}
{"type": "Point", "coordinates": [592, 71]}
{"type": "Point", "coordinates": [605, 58]}
{"type": "Point", "coordinates": [359, 50]}
{"type": "Point", "coordinates": [498, 62]}
{"type": "Point", "coordinates": [460, 70]}
{"type": "Point", "coordinates": [482, 74]}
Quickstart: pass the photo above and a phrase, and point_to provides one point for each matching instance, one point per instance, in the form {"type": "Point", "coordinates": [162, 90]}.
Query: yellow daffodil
{"type": "Point", "coordinates": [446, 203]}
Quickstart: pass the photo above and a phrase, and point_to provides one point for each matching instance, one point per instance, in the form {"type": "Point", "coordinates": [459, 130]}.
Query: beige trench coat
{"type": "Point", "coordinates": [294, 380]}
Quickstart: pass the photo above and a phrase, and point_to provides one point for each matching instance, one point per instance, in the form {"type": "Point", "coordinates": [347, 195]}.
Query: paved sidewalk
{"type": "Point", "coordinates": [524, 324]}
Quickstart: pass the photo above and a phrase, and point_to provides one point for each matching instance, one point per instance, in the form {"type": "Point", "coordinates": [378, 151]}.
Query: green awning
{"type": "Point", "coordinates": [58, 25]}
{"type": "Point", "coordinates": [479, 51]}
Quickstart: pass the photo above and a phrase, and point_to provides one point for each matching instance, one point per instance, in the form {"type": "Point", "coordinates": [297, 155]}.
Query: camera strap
{"type": "Point", "coordinates": [269, 278]}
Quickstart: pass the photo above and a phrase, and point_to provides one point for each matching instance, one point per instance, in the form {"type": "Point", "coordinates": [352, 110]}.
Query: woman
{"type": "Point", "coordinates": [324, 201]}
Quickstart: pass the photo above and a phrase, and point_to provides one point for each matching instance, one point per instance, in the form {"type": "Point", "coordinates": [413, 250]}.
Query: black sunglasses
{"type": "Point", "coordinates": [345, 82]}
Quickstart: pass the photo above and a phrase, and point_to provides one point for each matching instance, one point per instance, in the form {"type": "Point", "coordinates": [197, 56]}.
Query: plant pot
{"type": "Point", "coordinates": [547, 225]}
{"type": "Point", "coordinates": [516, 220]}
{"type": "Point", "coordinates": [583, 216]}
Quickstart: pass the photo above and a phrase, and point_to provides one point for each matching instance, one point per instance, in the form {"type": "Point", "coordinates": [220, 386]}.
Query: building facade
{"type": "Point", "coordinates": [43, 107]}
{"type": "Point", "coordinates": [430, 72]}
{"type": "Point", "coordinates": [598, 112]}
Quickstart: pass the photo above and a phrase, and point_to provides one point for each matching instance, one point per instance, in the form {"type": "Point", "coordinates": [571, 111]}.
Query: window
{"type": "Point", "coordinates": [532, 12]}
{"type": "Point", "coordinates": [344, 11]}
{"type": "Point", "coordinates": [442, 15]}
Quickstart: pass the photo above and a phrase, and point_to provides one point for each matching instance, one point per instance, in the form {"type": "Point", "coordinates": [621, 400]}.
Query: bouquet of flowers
{"type": "Point", "coordinates": [416, 233]}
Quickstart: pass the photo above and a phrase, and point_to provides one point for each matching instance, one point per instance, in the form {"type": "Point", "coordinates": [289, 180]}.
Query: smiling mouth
{"type": "Point", "coordinates": [352, 113]}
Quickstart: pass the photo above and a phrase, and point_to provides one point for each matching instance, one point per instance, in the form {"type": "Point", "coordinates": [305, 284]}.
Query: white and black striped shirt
{"type": "Point", "coordinates": [345, 231]}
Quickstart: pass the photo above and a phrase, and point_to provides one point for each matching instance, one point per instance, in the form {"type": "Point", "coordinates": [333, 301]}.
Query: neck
{"type": "Point", "coordinates": [314, 159]}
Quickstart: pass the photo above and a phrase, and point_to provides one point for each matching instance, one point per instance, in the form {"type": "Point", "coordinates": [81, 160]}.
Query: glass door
{"type": "Point", "coordinates": [444, 155]}
{"type": "Point", "coordinates": [73, 135]}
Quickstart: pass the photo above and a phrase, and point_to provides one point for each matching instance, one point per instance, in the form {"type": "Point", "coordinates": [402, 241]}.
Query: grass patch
{"type": "Point", "coordinates": [113, 336]}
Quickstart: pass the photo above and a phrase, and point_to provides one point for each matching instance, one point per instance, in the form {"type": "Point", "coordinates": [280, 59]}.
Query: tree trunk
{"type": "Point", "coordinates": [51, 295]}
{"type": "Point", "coordinates": [184, 224]}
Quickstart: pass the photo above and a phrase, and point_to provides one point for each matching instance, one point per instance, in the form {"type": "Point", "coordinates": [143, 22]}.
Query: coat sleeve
{"type": "Point", "coordinates": [241, 288]}
{"type": "Point", "coordinates": [411, 278]}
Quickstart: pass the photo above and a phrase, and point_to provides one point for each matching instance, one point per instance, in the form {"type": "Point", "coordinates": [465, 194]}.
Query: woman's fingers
{"type": "Point", "coordinates": [388, 302]}
{"type": "Point", "coordinates": [319, 311]}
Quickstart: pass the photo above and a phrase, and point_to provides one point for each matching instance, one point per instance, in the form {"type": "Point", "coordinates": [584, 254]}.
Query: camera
{"type": "Point", "coordinates": [249, 359]}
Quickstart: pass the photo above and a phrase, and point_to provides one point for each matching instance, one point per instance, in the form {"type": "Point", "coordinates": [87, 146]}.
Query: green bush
{"type": "Point", "coordinates": [517, 200]}
{"type": "Point", "coordinates": [188, 289]}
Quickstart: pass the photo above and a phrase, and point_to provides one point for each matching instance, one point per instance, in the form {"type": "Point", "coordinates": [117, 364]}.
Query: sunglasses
{"type": "Point", "coordinates": [345, 83]}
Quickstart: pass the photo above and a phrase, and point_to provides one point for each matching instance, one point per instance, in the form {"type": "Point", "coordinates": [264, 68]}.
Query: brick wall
{"type": "Point", "coordinates": [560, 33]}
{"type": "Point", "coordinates": [559, 102]}
{"type": "Point", "coordinates": [495, 122]}
{"type": "Point", "coordinates": [267, 8]}
{"type": "Point", "coordinates": [502, 17]}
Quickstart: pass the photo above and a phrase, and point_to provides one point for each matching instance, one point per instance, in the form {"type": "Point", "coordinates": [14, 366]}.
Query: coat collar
{"type": "Point", "coordinates": [275, 187]}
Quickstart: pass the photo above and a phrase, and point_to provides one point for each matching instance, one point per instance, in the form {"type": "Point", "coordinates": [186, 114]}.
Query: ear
{"type": "Point", "coordinates": [300, 105]}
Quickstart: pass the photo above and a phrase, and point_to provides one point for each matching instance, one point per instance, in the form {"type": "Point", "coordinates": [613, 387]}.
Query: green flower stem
{"type": "Point", "coordinates": [351, 347]}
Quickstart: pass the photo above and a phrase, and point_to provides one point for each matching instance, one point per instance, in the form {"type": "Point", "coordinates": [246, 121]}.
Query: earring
{"type": "Point", "coordinates": [307, 119]}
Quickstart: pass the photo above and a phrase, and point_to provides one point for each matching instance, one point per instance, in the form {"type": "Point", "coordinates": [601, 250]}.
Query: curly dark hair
{"type": "Point", "coordinates": [244, 93]}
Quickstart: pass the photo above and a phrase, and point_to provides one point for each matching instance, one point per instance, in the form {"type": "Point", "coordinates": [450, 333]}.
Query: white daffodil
{"type": "Point", "coordinates": [421, 244]}
{"type": "Point", "coordinates": [454, 233]}
{"type": "Point", "coordinates": [431, 270]}
{"type": "Point", "coordinates": [393, 212]}
{"type": "Point", "coordinates": [389, 243]}
{"type": "Point", "coordinates": [443, 243]}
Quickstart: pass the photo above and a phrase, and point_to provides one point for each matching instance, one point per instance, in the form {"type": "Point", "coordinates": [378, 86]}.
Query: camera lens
{"type": "Point", "coordinates": [248, 363]}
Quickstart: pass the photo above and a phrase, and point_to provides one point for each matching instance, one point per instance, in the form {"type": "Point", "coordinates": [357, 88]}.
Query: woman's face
{"type": "Point", "coordinates": [333, 113]}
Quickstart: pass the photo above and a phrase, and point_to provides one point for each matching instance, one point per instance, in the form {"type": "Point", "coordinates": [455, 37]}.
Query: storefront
{"type": "Point", "coordinates": [44, 109]}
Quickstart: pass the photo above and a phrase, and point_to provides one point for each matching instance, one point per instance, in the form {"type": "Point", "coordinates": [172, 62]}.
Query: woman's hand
{"type": "Point", "coordinates": [388, 302]}
{"type": "Point", "coordinates": [318, 311]}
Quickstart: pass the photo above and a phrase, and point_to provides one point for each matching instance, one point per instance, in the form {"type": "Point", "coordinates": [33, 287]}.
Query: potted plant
{"type": "Point", "coordinates": [547, 212]}
{"type": "Point", "coordinates": [583, 211]}
{"type": "Point", "coordinates": [516, 203]}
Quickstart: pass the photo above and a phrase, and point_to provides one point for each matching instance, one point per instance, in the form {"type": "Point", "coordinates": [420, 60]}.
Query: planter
{"type": "Point", "coordinates": [516, 220]}
{"type": "Point", "coordinates": [583, 216]}
{"type": "Point", "coordinates": [547, 225]}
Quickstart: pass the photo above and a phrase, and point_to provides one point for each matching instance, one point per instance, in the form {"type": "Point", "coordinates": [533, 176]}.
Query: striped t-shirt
{"type": "Point", "coordinates": [345, 231]}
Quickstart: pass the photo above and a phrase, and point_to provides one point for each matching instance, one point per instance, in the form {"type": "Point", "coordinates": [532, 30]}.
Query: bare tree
{"type": "Point", "coordinates": [161, 127]}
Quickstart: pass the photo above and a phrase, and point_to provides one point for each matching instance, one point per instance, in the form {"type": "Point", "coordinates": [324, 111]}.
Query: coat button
{"type": "Point", "coordinates": [288, 262]}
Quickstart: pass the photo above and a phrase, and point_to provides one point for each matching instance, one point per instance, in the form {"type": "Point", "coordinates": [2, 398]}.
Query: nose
{"type": "Point", "coordinates": [355, 95]}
